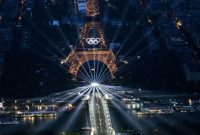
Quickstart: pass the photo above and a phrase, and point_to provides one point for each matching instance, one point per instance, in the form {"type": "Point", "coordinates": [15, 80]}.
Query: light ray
{"type": "Point", "coordinates": [129, 35]}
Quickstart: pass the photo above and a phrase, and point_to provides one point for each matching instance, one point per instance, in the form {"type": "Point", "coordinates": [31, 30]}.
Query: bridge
{"type": "Point", "coordinates": [101, 123]}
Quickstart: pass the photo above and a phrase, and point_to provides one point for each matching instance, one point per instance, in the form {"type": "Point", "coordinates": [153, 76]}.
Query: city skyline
{"type": "Point", "coordinates": [99, 67]}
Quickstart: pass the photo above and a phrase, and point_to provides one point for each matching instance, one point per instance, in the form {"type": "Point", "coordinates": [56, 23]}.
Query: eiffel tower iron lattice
{"type": "Point", "coordinates": [92, 44]}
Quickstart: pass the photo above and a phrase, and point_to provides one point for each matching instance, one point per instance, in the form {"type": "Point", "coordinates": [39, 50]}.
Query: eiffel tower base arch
{"type": "Point", "coordinates": [77, 58]}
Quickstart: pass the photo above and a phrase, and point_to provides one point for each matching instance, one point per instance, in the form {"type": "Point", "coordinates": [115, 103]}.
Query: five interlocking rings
{"type": "Point", "coordinates": [93, 41]}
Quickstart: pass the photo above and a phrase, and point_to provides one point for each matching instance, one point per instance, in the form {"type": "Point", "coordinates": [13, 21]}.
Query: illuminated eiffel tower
{"type": "Point", "coordinates": [92, 44]}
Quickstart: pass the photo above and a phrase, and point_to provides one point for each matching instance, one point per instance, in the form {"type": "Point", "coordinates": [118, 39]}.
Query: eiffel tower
{"type": "Point", "coordinates": [92, 44]}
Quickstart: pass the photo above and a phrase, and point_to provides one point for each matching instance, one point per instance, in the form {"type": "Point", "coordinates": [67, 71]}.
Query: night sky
{"type": "Point", "coordinates": [158, 41]}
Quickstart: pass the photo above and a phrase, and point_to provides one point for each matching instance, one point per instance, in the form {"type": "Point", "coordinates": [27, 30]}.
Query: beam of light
{"type": "Point", "coordinates": [83, 76]}
{"type": "Point", "coordinates": [60, 95]}
{"type": "Point", "coordinates": [97, 72]}
{"type": "Point", "coordinates": [64, 96]}
{"type": "Point", "coordinates": [47, 124]}
{"type": "Point", "coordinates": [131, 59]}
{"type": "Point", "coordinates": [75, 114]}
{"type": "Point", "coordinates": [51, 44]}
{"type": "Point", "coordinates": [129, 118]}
{"type": "Point", "coordinates": [131, 49]}
{"type": "Point", "coordinates": [129, 35]}
{"type": "Point", "coordinates": [107, 91]}
{"type": "Point", "coordinates": [94, 78]}
{"type": "Point", "coordinates": [60, 30]}
{"type": "Point", "coordinates": [134, 45]}
{"type": "Point", "coordinates": [68, 95]}
{"type": "Point", "coordinates": [79, 94]}
{"type": "Point", "coordinates": [90, 78]}
{"type": "Point", "coordinates": [140, 124]}
{"type": "Point", "coordinates": [73, 117]}
{"type": "Point", "coordinates": [100, 73]}
{"type": "Point", "coordinates": [122, 19]}
{"type": "Point", "coordinates": [148, 123]}
{"type": "Point", "coordinates": [65, 39]}
{"type": "Point", "coordinates": [104, 76]}
{"type": "Point", "coordinates": [115, 94]}
{"type": "Point", "coordinates": [116, 34]}
{"type": "Point", "coordinates": [35, 41]}
{"type": "Point", "coordinates": [87, 62]}
{"type": "Point", "coordinates": [132, 121]}
{"type": "Point", "coordinates": [78, 97]}
{"type": "Point", "coordinates": [89, 67]}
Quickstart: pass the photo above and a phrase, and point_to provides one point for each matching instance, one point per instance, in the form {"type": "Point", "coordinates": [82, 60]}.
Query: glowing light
{"type": "Point", "coordinates": [94, 84]}
{"type": "Point", "coordinates": [179, 24]}
{"type": "Point", "coordinates": [1, 105]}
{"type": "Point", "coordinates": [69, 106]}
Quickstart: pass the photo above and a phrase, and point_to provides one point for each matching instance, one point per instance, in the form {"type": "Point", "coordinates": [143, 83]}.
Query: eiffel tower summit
{"type": "Point", "coordinates": [92, 44]}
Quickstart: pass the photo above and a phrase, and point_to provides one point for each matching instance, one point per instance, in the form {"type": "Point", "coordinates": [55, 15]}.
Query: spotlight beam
{"type": "Point", "coordinates": [132, 58]}
{"type": "Point", "coordinates": [129, 35]}
{"type": "Point", "coordinates": [122, 18]}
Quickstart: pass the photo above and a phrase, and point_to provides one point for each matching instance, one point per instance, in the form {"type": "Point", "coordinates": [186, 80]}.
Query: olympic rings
{"type": "Point", "coordinates": [93, 41]}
